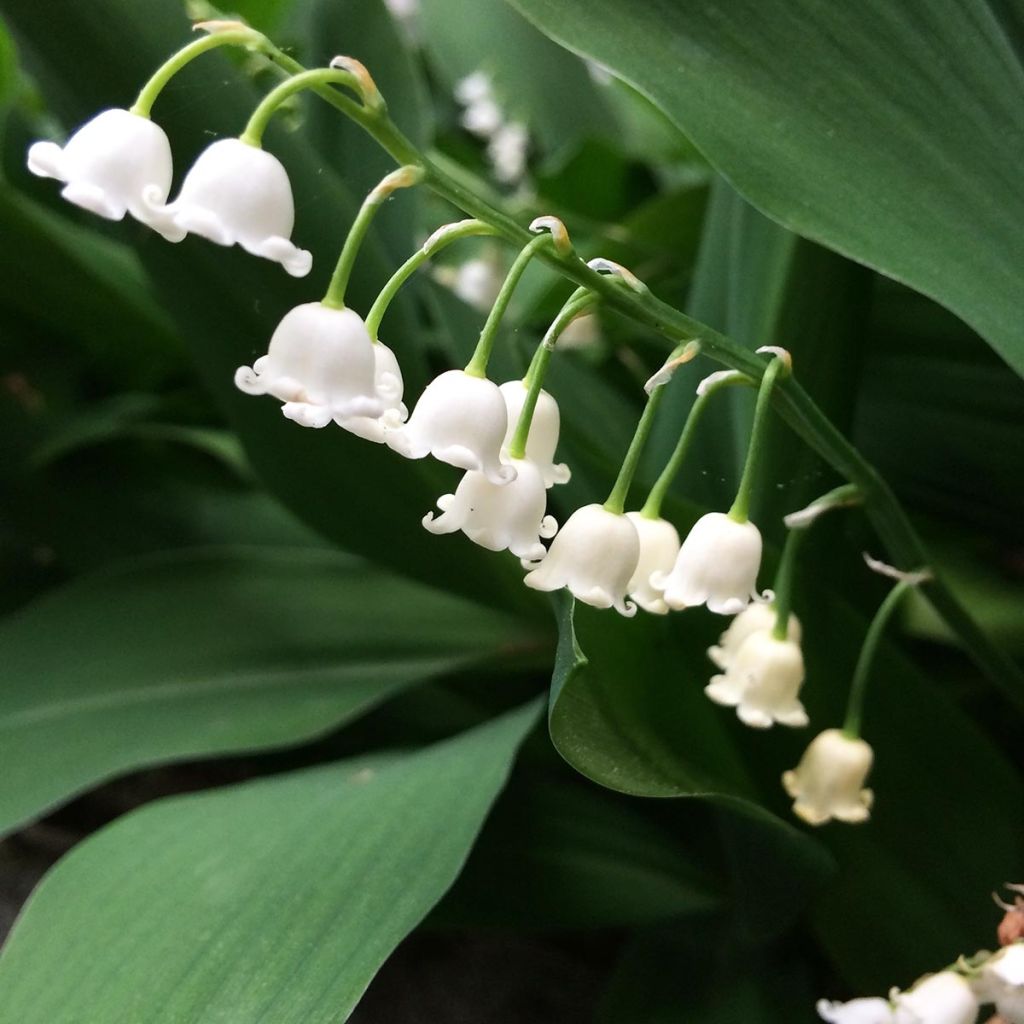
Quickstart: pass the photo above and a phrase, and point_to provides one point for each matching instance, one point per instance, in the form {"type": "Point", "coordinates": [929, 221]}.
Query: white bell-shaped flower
{"type": "Point", "coordinates": [943, 998]}
{"type": "Point", "coordinates": [499, 516]}
{"type": "Point", "coordinates": [1001, 981]}
{"type": "Point", "coordinates": [717, 565]}
{"type": "Point", "coordinates": [237, 194]}
{"type": "Point", "coordinates": [595, 555]}
{"type": "Point", "coordinates": [659, 546]}
{"type": "Point", "coordinates": [763, 682]}
{"type": "Point", "coordinates": [390, 387]}
{"type": "Point", "coordinates": [460, 419]}
{"type": "Point", "coordinates": [756, 617]}
{"type": "Point", "coordinates": [828, 782]}
{"type": "Point", "coordinates": [857, 1011]}
{"type": "Point", "coordinates": [117, 163]}
{"type": "Point", "coordinates": [544, 427]}
{"type": "Point", "coordinates": [320, 363]}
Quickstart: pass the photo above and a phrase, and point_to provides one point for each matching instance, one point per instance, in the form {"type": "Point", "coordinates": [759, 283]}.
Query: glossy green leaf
{"type": "Point", "coordinates": [893, 134]}
{"type": "Point", "coordinates": [276, 900]}
{"type": "Point", "coordinates": [191, 655]}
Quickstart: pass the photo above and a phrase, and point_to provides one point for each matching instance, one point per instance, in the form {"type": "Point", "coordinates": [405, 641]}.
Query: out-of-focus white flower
{"type": "Point", "coordinates": [758, 616]}
{"type": "Point", "coordinates": [763, 682]}
{"type": "Point", "coordinates": [582, 332]}
{"type": "Point", "coordinates": [240, 194]}
{"type": "Point", "coordinates": [117, 163]}
{"type": "Point", "coordinates": [507, 150]}
{"type": "Point", "coordinates": [717, 565]}
{"type": "Point", "coordinates": [943, 998]}
{"type": "Point", "coordinates": [544, 427]}
{"type": "Point", "coordinates": [499, 516]}
{"type": "Point", "coordinates": [857, 1011]}
{"type": "Point", "coordinates": [599, 74]}
{"type": "Point", "coordinates": [659, 545]}
{"type": "Point", "coordinates": [403, 11]}
{"type": "Point", "coordinates": [473, 88]}
{"type": "Point", "coordinates": [388, 383]}
{"type": "Point", "coordinates": [595, 555]}
{"type": "Point", "coordinates": [828, 782]}
{"type": "Point", "coordinates": [459, 419]}
{"type": "Point", "coordinates": [320, 363]}
{"type": "Point", "coordinates": [1001, 981]}
{"type": "Point", "coordinates": [477, 281]}
{"type": "Point", "coordinates": [483, 115]}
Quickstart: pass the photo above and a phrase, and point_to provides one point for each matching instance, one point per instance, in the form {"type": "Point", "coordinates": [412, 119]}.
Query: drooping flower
{"type": "Point", "coordinates": [828, 782]}
{"type": "Point", "coordinates": [659, 546]}
{"type": "Point", "coordinates": [717, 565]}
{"type": "Point", "coordinates": [544, 427]}
{"type": "Point", "coordinates": [320, 363]}
{"type": "Point", "coordinates": [1001, 981]}
{"type": "Point", "coordinates": [117, 163]}
{"type": "Point", "coordinates": [857, 1011]}
{"type": "Point", "coordinates": [499, 516]}
{"type": "Point", "coordinates": [388, 383]}
{"type": "Point", "coordinates": [763, 682]}
{"type": "Point", "coordinates": [240, 194]}
{"type": "Point", "coordinates": [460, 419]}
{"type": "Point", "coordinates": [943, 998]}
{"type": "Point", "coordinates": [594, 555]}
{"type": "Point", "coordinates": [755, 618]}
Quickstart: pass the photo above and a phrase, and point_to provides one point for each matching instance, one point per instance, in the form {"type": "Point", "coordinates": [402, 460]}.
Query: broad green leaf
{"type": "Point", "coordinates": [845, 123]}
{"type": "Point", "coordinates": [275, 900]}
{"type": "Point", "coordinates": [190, 655]}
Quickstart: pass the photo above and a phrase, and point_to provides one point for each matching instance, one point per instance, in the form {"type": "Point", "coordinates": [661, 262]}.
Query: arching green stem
{"type": "Point", "coordinates": [620, 491]}
{"type": "Point", "coordinates": [741, 506]}
{"type": "Point", "coordinates": [241, 36]}
{"type": "Point", "coordinates": [652, 507]}
{"type": "Point", "coordinates": [477, 366]}
{"type": "Point", "coordinates": [272, 102]}
{"type": "Point", "coordinates": [855, 702]}
{"type": "Point", "coordinates": [402, 178]}
{"type": "Point", "coordinates": [439, 240]}
{"type": "Point", "coordinates": [579, 302]}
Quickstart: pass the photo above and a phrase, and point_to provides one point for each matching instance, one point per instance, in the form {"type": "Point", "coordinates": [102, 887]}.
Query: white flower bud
{"type": "Point", "coordinates": [828, 781]}
{"type": "Point", "coordinates": [320, 363]}
{"type": "Point", "coordinates": [117, 163]}
{"type": "Point", "coordinates": [544, 427]}
{"type": "Point", "coordinates": [857, 1011]}
{"type": "Point", "coordinates": [499, 516]}
{"type": "Point", "coordinates": [717, 565]}
{"type": "Point", "coordinates": [763, 682]}
{"type": "Point", "coordinates": [757, 616]}
{"type": "Point", "coordinates": [659, 546]}
{"type": "Point", "coordinates": [240, 194]}
{"type": "Point", "coordinates": [459, 419]}
{"type": "Point", "coordinates": [1001, 981]}
{"type": "Point", "coordinates": [388, 383]}
{"type": "Point", "coordinates": [595, 555]}
{"type": "Point", "coordinates": [943, 998]}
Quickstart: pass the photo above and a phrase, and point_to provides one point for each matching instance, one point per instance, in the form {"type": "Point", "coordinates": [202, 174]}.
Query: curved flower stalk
{"type": "Point", "coordinates": [757, 617]}
{"type": "Point", "coordinates": [659, 546]}
{"type": "Point", "coordinates": [594, 556]}
{"type": "Point", "coordinates": [321, 364]}
{"type": "Point", "coordinates": [763, 682]}
{"type": "Point", "coordinates": [499, 516]}
{"type": "Point", "coordinates": [829, 780]}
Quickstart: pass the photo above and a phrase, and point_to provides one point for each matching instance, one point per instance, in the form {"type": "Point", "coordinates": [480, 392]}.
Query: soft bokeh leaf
{"type": "Point", "coordinates": [276, 900]}
{"type": "Point", "coordinates": [844, 123]}
{"type": "Point", "coordinates": [191, 655]}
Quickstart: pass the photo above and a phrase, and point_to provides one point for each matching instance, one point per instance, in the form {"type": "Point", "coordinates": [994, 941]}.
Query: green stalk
{"type": "Point", "coordinates": [795, 405]}
{"type": "Point", "coordinates": [438, 241]}
{"type": "Point", "coordinates": [477, 366]}
{"type": "Point", "coordinates": [170, 67]}
{"type": "Point", "coordinates": [577, 303]}
{"type": "Point", "coordinates": [741, 506]}
{"type": "Point", "coordinates": [855, 702]}
{"type": "Point", "coordinates": [784, 583]}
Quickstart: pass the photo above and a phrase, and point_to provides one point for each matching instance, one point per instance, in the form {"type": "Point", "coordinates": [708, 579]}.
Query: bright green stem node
{"type": "Point", "coordinates": [855, 702]}
{"type": "Point", "coordinates": [402, 178]}
{"type": "Point", "coordinates": [170, 67]}
{"type": "Point", "coordinates": [741, 506]}
{"type": "Point", "coordinates": [439, 240]}
{"type": "Point", "coordinates": [477, 366]}
{"type": "Point", "coordinates": [620, 491]}
{"type": "Point", "coordinates": [652, 507]}
{"type": "Point", "coordinates": [578, 303]}
{"type": "Point", "coordinates": [272, 102]}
